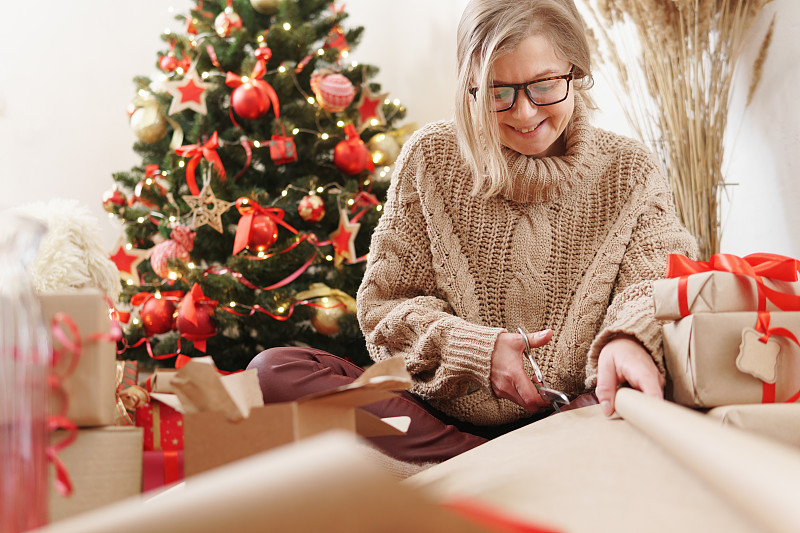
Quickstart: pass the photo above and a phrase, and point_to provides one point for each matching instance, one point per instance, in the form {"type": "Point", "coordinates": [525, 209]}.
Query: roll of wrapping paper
{"type": "Point", "coordinates": [758, 476]}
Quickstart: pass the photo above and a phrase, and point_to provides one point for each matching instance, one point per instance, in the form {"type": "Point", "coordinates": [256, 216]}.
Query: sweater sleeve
{"type": "Point", "coordinates": [401, 309]}
{"type": "Point", "coordinates": [657, 232]}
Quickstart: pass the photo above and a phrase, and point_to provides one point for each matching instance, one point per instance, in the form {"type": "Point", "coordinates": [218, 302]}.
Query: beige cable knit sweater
{"type": "Point", "coordinates": [570, 246]}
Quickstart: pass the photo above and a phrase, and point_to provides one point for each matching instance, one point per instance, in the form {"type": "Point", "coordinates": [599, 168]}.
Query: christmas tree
{"type": "Point", "coordinates": [265, 150]}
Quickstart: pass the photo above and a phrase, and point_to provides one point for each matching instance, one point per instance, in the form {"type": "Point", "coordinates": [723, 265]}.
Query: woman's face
{"type": "Point", "coordinates": [529, 129]}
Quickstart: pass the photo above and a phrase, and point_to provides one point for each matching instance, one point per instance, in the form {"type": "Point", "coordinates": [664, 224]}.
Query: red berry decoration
{"type": "Point", "coordinates": [263, 234]}
{"type": "Point", "coordinates": [158, 316]}
{"type": "Point", "coordinates": [352, 156]}
{"type": "Point", "coordinates": [311, 208]}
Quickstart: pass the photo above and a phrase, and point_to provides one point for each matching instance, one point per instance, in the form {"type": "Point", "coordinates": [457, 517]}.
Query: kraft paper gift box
{"type": "Point", "coordinates": [778, 421]}
{"type": "Point", "coordinates": [104, 465]}
{"type": "Point", "coordinates": [91, 386]}
{"type": "Point", "coordinates": [716, 292]}
{"type": "Point", "coordinates": [225, 418]}
{"type": "Point", "coordinates": [716, 359]}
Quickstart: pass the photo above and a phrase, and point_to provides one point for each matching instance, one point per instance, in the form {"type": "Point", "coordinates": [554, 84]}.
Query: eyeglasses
{"type": "Point", "coordinates": [541, 92]}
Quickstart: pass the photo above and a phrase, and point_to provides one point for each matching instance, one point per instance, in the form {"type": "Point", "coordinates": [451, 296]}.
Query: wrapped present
{"type": "Point", "coordinates": [162, 423]}
{"type": "Point", "coordinates": [226, 420]}
{"type": "Point", "coordinates": [727, 283]}
{"type": "Point", "coordinates": [161, 380]}
{"type": "Point", "coordinates": [716, 359]}
{"type": "Point", "coordinates": [104, 465]}
{"type": "Point", "coordinates": [129, 395]}
{"type": "Point", "coordinates": [161, 468]}
{"type": "Point", "coordinates": [90, 385]}
{"type": "Point", "coordinates": [778, 421]}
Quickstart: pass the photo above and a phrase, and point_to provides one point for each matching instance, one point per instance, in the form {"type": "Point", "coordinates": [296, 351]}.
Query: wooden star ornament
{"type": "Point", "coordinates": [207, 209]}
{"type": "Point", "coordinates": [344, 239]}
{"type": "Point", "coordinates": [370, 106]}
{"type": "Point", "coordinates": [188, 93]}
{"type": "Point", "coordinates": [127, 259]}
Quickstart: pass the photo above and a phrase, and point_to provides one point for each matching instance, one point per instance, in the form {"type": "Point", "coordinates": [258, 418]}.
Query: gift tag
{"type": "Point", "coordinates": [757, 358]}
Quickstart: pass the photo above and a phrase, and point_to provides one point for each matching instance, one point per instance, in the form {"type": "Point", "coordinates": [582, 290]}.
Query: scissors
{"type": "Point", "coordinates": [551, 395]}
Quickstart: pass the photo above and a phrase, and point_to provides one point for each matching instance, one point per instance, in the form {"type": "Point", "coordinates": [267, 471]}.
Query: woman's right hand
{"type": "Point", "coordinates": [508, 377]}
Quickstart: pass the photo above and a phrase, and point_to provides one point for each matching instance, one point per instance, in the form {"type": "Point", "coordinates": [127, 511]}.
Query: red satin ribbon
{"type": "Point", "coordinates": [249, 209]}
{"type": "Point", "coordinates": [198, 151]}
{"type": "Point", "coordinates": [172, 467]}
{"type": "Point", "coordinates": [754, 266]}
{"type": "Point", "coordinates": [234, 80]}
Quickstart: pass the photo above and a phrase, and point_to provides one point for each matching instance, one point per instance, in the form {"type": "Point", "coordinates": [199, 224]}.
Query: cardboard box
{"type": "Point", "coordinates": [91, 386]}
{"type": "Point", "coordinates": [777, 421]}
{"type": "Point", "coordinates": [705, 355]}
{"type": "Point", "coordinates": [717, 292]}
{"type": "Point", "coordinates": [225, 419]}
{"type": "Point", "coordinates": [104, 465]}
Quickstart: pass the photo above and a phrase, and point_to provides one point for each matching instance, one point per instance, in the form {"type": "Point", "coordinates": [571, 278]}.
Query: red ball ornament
{"type": "Point", "coordinates": [227, 22]}
{"type": "Point", "coordinates": [113, 199]}
{"type": "Point", "coordinates": [311, 208]}
{"type": "Point", "coordinates": [158, 316]}
{"type": "Point", "coordinates": [168, 63]}
{"type": "Point", "coordinates": [352, 156]}
{"type": "Point", "coordinates": [202, 328]}
{"type": "Point", "coordinates": [263, 234]}
{"type": "Point", "coordinates": [251, 99]}
{"type": "Point", "coordinates": [333, 91]}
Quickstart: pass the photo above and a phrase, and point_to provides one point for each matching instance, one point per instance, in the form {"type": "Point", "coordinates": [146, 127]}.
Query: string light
{"type": "Point", "coordinates": [284, 192]}
{"type": "Point", "coordinates": [311, 100]}
{"type": "Point", "coordinates": [340, 123]}
{"type": "Point", "coordinates": [190, 265]}
{"type": "Point", "coordinates": [373, 122]}
{"type": "Point", "coordinates": [324, 136]}
{"type": "Point", "coordinates": [205, 75]}
{"type": "Point", "coordinates": [232, 304]}
{"type": "Point", "coordinates": [320, 189]}
{"type": "Point", "coordinates": [129, 281]}
{"type": "Point", "coordinates": [172, 218]}
{"type": "Point", "coordinates": [345, 54]}
{"type": "Point", "coordinates": [281, 309]}
{"type": "Point", "coordinates": [295, 131]}
{"type": "Point", "coordinates": [379, 208]}
{"type": "Point", "coordinates": [320, 52]}
{"type": "Point", "coordinates": [173, 275]}
{"type": "Point", "coordinates": [287, 26]}
{"type": "Point", "coordinates": [140, 220]}
{"type": "Point", "coordinates": [181, 163]}
{"type": "Point", "coordinates": [281, 69]}
{"type": "Point", "coordinates": [135, 321]}
{"type": "Point", "coordinates": [329, 258]}
{"type": "Point", "coordinates": [354, 64]}
{"type": "Point", "coordinates": [129, 246]}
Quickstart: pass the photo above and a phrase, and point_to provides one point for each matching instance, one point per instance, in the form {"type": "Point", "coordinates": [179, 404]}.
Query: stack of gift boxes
{"type": "Point", "coordinates": [104, 461]}
{"type": "Point", "coordinates": [731, 339]}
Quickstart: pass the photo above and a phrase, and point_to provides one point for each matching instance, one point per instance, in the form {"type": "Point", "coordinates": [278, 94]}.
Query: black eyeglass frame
{"type": "Point", "coordinates": [524, 87]}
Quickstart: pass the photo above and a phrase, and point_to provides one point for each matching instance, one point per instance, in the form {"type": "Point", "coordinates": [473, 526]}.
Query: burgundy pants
{"type": "Point", "coordinates": [288, 373]}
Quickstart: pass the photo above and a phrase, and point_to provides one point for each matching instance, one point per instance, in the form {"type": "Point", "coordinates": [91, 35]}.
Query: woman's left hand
{"type": "Point", "coordinates": [625, 360]}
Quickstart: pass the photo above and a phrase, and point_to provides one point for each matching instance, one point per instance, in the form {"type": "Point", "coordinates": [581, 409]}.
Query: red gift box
{"type": "Point", "coordinates": [161, 468]}
{"type": "Point", "coordinates": [163, 426]}
{"type": "Point", "coordinates": [282, 150]}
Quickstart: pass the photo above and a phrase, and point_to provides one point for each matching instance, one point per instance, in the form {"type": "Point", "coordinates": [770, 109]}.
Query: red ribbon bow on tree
{"type": "Point", "coordinates": [256, 78]}
{"type": "Point", "coordinates": [195, 310]}
{"type": "Point", "coordinates": [198, 151]}
{"type": "Point", "coordinates": [249, 209]}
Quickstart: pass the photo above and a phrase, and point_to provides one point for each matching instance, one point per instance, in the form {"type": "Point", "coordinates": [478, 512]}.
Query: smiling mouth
{"type": "Point", "coordinates": [528, 130]}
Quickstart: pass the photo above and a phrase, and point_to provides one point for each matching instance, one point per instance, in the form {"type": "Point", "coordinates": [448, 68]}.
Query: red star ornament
{"type": "Point", "coordinates": [127, 260]}
{"type": "Point", "coordinates": [344, 239]}
{"type": "Point", "coordinates": [370, 107]}
{"type": "Point", "coordinates": [188, 93]}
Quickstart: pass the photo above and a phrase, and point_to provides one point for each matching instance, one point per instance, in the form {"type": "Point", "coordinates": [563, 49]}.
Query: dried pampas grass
{"type": "Point", "coordinates": [674, 62]}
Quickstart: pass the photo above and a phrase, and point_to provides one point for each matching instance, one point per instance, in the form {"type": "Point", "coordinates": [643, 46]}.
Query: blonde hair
{"type": "Point", "coordinates": [489, 29]}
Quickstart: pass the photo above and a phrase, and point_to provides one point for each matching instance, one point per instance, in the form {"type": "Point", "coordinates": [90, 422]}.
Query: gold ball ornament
{"type": "Point", "coordinates": [384, 149]}
{"type": "Point", "coordinates": [326, 318]}
{"type": "Point", "coordinates": [148, 122]}
{"type": "Point", "coordinates": [266, 7]}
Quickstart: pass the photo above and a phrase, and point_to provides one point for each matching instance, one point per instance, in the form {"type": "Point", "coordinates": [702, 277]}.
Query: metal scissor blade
{"type": "Point", "coordinates": [550, 395]}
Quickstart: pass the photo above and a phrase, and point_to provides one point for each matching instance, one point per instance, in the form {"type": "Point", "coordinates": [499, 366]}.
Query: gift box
{"type": "Point", "coordinates": [104, 466]}
{"type": "Point", "coordinates": [129, 394]}
{"type": "Point", "coordinates": [726, 283]}
{"type": "Point", "coordinates": [778, 421]}
{"type": "Point", "coordinates": [161, 380]}
{"type": "Point", "coordinates": [162, 424]}
{"type": "Point", "coordinates": [716, 359]}
{"type": "Point", "coordinates": [225, 419]}
{"type": "Point", "coordinates": [161, 468]}
{"type": "Point", "coordinates": [90, 386]}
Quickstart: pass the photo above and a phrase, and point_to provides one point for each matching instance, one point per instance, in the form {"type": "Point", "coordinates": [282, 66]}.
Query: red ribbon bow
{"type": "Point", "coordinates": [755, 266]}
{"type": "Point", "coordinates": [198, 151]}
{"type": "Point", "coordinates": [249, 209]}
{"type": "Point", "coordinates": [234, 80]}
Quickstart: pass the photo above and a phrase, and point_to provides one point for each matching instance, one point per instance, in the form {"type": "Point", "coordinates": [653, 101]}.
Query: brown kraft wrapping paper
{"type": "Point", "coordinates": [701, 354]}
{"type": "Point", "coordinates": [777, 421]}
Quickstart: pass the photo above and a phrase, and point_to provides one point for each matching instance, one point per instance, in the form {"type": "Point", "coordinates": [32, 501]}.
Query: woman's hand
{"type": "Point", "coordinates": [625, 360]}
{"type": "Point", "coordinates": [508, 377]}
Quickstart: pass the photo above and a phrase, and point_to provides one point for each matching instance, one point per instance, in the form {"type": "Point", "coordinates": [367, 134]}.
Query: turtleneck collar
{"type": "Point", "coordinates": [539, 180]}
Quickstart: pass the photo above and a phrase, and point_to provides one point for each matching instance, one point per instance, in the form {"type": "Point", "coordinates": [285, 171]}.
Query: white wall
{"type": "Point", "coordinates": [66, 79]}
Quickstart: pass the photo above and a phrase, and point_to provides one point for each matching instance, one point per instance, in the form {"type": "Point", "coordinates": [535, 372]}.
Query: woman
{"type": "Point", "coordinates": [516, 214]}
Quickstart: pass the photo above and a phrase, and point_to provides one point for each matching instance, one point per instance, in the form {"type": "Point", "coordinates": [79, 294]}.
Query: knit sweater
{"type": "Point", "coordinates": [571, 245]}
